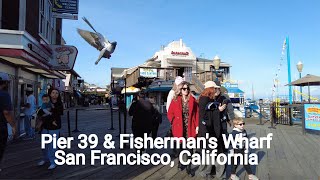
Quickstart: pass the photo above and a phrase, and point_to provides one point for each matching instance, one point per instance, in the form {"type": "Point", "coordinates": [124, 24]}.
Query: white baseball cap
{"type": "Point", "coordinates": [178, 80]}
{"type": "Point", "coordinates": [210, 84]}
{"type": "Point", "coordinates": [4, 76]}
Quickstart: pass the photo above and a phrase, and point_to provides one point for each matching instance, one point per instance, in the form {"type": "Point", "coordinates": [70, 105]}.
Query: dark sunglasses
{"type": "Point", "coordinates": [185, 89]}
{"type": "Point", "coordinates": [241, 124]}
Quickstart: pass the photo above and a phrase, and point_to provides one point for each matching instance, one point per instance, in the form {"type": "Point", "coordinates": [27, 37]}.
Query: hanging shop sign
{"type": "Point", "coordinates": [65, 9]}
{"type": "Point", "coordinates": [63, 57]}
{"type": "Point", "coordinates": [150, 73]}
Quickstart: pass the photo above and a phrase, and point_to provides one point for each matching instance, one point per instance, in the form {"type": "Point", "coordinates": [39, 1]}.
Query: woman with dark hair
{"type": "Point", "coordinates": [183, 115]}
{"type": "Point", "coordinates": [209, 122]}
{"type": "Point", "coordinates": [51, 128]}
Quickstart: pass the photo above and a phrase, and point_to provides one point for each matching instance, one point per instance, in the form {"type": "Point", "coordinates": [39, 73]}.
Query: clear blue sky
{"type": "Point", "coordinates": [248, 34]}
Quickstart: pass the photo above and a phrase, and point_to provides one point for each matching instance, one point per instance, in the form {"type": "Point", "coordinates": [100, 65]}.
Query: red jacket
{"type": "Point", "coordinates": [175, 117]}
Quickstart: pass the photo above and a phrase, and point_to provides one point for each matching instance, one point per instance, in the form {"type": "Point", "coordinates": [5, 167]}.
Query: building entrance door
{"type": "Point", "coordinates": [180, 72]}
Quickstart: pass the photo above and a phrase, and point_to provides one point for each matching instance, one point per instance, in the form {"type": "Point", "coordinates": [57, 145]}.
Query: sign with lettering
{"type": "Point", "coordinates": [150, 73]}
{"type": "Point", "coordinates": [312, 116]}
{"type": "Point", "coordinates": [65, 9]}
{"type": "Point", "coordinates": [230, 85]}
{"type": "Point", "coordinates": [175, 53]}
{"type": "Point", "coordinates": [63, 57]}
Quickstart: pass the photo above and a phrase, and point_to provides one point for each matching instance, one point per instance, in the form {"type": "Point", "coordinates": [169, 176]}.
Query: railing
{"type": "Point", "coordinates": [198, 84]}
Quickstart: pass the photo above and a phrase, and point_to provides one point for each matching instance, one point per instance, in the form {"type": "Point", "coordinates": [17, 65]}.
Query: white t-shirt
{"type": "Point", "coordinates": [32, 101]}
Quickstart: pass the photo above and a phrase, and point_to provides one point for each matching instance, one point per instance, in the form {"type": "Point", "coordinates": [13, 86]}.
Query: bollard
{"type": "Point", "coordinates": [111, 128]}
{"type": "Point", "coordinates": [76, 130]}
{"type": "Point", "coordinates": [68, 118]}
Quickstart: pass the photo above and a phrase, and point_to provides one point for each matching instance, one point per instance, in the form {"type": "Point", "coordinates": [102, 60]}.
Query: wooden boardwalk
{"type": "Point", "coordinates": [291, 156]}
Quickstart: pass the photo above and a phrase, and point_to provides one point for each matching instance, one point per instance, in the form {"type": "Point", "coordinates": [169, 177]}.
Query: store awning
{"type": "Point", "coordinates": [159, 89]}
{"type": "Point", "coordinates": [234, 90]}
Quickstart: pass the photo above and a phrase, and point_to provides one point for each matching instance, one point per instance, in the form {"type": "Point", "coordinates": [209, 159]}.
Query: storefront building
{"type": "Point", "coordinates": [29, 42]}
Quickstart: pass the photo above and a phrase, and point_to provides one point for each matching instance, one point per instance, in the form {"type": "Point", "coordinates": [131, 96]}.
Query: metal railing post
{"type": "Point", "coordinates": [111, 128]}
{"type": "Point", "coordinates": [76, 129]}
{"type": "Point", "coordinates": [68, 118]}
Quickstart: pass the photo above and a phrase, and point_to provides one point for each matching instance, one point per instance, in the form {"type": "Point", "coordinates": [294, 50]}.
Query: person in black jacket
{"type": "Point", "coordinates": [209, 122]}
{"type": "Point", "coordinates": [238, 124]}
{"type": "Point", "coordinates": [228, 114]}
{"type": "Point", "coordinates": [142, 112]}
{"type": "Point", "coordinates": [51, 128]}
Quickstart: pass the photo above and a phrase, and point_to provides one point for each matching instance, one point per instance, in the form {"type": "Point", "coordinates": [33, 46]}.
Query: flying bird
{"type": "Point", "coordinates": [98, 41]}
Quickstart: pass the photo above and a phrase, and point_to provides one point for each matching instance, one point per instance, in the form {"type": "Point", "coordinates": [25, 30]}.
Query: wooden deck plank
{"type": "Point", "coordinates": [297, 155]}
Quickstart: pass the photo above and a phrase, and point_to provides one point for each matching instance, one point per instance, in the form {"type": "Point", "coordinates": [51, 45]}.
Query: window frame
{"type": "Point", "coordinates": [47, 24]}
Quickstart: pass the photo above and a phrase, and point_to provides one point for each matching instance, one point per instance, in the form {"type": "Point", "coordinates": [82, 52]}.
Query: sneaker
{"type": "Point", "coordinates": [234, 177]}
{"type": "Point", "coordinates": [41, 163]}
{"type": "Point", "coordinates": [253, 177]}
{"type": "Point", "coordinates": [52, 166]}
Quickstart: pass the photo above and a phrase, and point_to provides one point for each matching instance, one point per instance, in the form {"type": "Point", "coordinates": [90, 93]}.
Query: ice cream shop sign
{"type": "Point", "coordinates": [176, 53]}
{"type": "Point", "coordinates": [63, 57]}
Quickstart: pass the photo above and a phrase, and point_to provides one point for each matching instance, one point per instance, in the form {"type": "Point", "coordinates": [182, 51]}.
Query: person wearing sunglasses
{"type": "Point", "coordinates": [238, 125]}
{"type": "Point", "coordinates": [209, 122]}
{"type": "Point", "coordinates": [183, 115]}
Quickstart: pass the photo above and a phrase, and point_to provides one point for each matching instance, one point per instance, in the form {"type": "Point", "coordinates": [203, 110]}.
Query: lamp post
{"type": "Point", "coordinates": [125, 101]}
{"type": "Point", "coordinates": [299, 67]}
{"type": "Point", "coordinates": [216, 64]}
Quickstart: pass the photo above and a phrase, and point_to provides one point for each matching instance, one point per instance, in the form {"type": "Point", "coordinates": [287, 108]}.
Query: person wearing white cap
{"type": "Point", "coordinates": [209, 122]}
{"type": "Point", "coordinates": [6, 113]}
{"type": "Point", "coordinates": [30, 109]}
{"type": "Point", "coordinates": [174, 91]}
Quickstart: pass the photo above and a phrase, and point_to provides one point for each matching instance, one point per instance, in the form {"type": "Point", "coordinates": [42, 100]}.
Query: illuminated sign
{"type": "Point", "coordinates": [312, 116]}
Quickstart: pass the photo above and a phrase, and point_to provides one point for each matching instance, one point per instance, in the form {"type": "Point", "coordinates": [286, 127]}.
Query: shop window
{"type": "Point", "coordinates": [47, 24]}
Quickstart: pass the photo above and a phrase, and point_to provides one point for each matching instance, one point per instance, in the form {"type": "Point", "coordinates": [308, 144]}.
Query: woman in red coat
{"type": "Point", "coordinates": [184, 117]}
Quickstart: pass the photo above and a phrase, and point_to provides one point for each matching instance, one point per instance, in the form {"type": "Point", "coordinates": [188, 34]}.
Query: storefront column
{"type": "Point", "coordinates": [17, 100]}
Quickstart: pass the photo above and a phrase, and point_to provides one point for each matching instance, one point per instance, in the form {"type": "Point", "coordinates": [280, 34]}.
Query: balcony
{"type": "Point", "coordinates": [134, 74]}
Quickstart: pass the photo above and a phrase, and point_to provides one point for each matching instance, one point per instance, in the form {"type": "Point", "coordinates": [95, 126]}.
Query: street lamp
{"type": "Point", "coordinates": [299, 67]}
{"type": "Point", "coordinates": [125, 101]}
{"type": "Point", "coordinates": [216, 64]}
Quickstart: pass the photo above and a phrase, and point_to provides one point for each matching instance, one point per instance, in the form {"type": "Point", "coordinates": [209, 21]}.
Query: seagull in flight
{"type": "Point", "coordinates": [98, 41]}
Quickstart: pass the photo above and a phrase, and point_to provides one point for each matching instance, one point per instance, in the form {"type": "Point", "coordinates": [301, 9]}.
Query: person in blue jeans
{"type": "Point", "coordinates": [49, 128]}
{"type": "Point", "coordinates": [6, 114]}
{"type": "Point", "coordinates": [30, 109]}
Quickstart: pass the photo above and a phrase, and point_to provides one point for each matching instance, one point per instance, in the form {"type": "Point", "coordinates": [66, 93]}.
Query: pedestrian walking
{"type": "Point", "coordinates": [184, 117]}
{"type": "Point", "coordinates": [209, 122]}
{"type": "Point", "coordinates": [29, 111]}
{"type": "Point", "coordinates": [50, 128]}
{"type": "Point", "coordinates": [142, 112]}
{"type": "Point", "coordinates": [6, 114]}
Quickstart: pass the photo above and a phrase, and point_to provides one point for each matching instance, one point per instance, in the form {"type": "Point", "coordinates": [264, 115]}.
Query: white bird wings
{"type": "Point", "coordinates": [92, 38]}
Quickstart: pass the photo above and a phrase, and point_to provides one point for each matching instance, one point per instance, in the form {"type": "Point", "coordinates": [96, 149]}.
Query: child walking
{"type": "Point", "coordinates": [238, 125]}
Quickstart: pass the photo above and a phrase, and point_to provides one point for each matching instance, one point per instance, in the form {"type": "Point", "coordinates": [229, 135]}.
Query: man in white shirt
{"type": "Point", "coordinates": [30, 109]}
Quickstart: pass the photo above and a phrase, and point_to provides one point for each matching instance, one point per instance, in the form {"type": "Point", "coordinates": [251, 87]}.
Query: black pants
{"type": "Point", "coordinates": [3, 142]}
{"type": "Point", "coordinates": [234, 166]}
{"type": "Point", "coordinates": [154, 130]}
